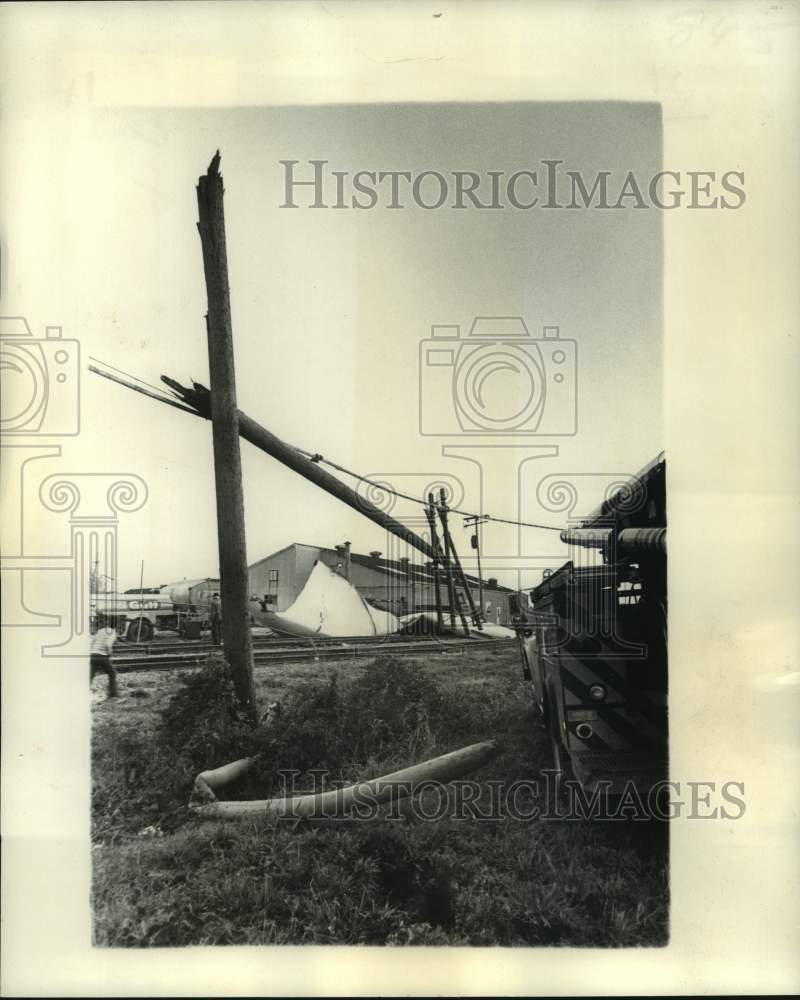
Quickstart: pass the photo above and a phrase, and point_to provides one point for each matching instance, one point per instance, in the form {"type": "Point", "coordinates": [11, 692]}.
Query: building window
{"type": "Point", "coordinates": [272, 579]}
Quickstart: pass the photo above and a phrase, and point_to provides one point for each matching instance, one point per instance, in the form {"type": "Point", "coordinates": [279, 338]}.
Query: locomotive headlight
{"type": "Point", "coordinates": [597, 692]}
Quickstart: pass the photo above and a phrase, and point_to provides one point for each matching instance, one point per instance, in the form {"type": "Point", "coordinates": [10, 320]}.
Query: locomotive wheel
{"type": "Point", "coordinates": [140, 631]}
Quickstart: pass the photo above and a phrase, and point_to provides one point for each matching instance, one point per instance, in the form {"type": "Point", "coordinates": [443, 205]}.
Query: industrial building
{"type": "Point", "coordinates": [397, 585]}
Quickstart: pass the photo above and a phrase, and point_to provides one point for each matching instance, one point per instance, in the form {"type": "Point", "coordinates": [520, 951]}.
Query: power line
{"type": "Point", "coordinates": [119, 371]}
{"type": "Point", "coordinates": [162, 398]}
{"type": "Point", "coordinates": [318, 458]}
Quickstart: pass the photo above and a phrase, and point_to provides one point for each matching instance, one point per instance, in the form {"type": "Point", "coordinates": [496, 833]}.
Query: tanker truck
{"type": "Point", "coordinates": [595, 650]}
{"type": "Point", "coordinates": [180, 607]}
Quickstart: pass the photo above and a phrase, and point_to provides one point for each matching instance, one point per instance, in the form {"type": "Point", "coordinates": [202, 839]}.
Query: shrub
{"type": "Point", "coordinates": [391, 713]}
{"type": "Point", "coordinates": [203, 722]}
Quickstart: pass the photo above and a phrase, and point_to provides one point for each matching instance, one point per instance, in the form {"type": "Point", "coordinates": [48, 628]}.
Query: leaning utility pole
{"type": "Point", "coordinates": [431, 515]}
{"type": "Point", "coordinates": [198, 401]}
{"type": "Point", "coordinates": [236, 638]}
{"type": "Point", "coordinates": [475, 521]}
{"type": "Point", "coordinates": [448, 554]}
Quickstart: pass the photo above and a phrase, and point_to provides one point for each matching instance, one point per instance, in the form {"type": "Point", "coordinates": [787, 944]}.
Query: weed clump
{"type": "Point", "coordinates": [391, 714]}
{"type": "Point", "coordinates": [416, 881]}
{"type": "Point", "coordinates": [203, 723]}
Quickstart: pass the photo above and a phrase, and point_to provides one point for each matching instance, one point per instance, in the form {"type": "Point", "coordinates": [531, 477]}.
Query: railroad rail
{"type": "Point", "coordinates": [279, 651]}
{"type": "Point", "coordinates": [173, 645]}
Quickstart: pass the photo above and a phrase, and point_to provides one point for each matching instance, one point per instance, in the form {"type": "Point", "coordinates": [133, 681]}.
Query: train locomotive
{"type": "Point", "coordinates": [595, 650]}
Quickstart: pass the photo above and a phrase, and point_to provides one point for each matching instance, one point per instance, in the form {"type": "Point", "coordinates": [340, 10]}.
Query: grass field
{"type": "Point", "coordinates": [163, 877]}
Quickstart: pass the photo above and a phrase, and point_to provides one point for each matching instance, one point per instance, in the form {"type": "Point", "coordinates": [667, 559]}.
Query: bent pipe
{"type": "Point", "coordinates": [199, 398]}
{"type": "Point", "coordinates": [340, 801]}
{"type": "Point", "coordinates": [207, 781]}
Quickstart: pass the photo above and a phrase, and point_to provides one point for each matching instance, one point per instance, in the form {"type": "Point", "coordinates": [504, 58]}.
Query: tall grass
{"type": "Point", "coordinates": [161, 877]}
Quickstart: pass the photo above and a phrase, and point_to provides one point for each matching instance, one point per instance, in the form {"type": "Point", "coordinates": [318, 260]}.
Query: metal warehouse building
{"type": "Point", "coordinates": [399, 586]}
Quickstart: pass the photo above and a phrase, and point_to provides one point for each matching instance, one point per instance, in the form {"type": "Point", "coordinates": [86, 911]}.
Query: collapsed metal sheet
{"type": "Point", "coordinates": [488, 630]}
{"type": "Point", "coordinates": [327, 606]}
{"type": "Point", "coordinates": [426, 623]}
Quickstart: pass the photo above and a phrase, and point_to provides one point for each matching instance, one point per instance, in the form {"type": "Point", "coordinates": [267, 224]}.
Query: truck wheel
{"type": "Point", "coordinates": [140, 631]}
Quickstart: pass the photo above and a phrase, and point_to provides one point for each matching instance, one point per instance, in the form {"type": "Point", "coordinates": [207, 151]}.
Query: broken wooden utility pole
{"type": "Point", "coordinates": [236, 638]}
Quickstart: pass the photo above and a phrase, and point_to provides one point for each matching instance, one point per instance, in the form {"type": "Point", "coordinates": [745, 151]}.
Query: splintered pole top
{"type": "Point", "coordinates": [213, 167]}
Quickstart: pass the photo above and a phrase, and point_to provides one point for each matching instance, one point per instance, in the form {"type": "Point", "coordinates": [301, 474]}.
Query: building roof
{"type": "Point", "coordinates": [391, 567]}
{"type": "Point", "coordinates": [292, 545]}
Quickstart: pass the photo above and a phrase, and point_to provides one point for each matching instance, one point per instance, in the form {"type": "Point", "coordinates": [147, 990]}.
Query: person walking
{"type": "Point", "coordinates": [100, 658]}
{"type": "Point", "coordinates": [215, 618]}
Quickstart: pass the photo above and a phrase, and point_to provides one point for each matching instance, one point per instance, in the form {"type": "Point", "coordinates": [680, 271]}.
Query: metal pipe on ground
{"type": "Point", "coordinates": [340, 801]}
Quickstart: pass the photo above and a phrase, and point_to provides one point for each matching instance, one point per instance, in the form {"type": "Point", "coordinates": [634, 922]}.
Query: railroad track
{"type": "Point", "coordinates": [174, 646]}
{"type": "Point", "coordinates": [278, 651]}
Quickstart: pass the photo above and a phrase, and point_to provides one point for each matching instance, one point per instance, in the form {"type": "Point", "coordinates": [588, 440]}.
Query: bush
{"type": "Point", "coordinates": [203, 722]}
{"type": "Point", "coordinates": [392, 713]}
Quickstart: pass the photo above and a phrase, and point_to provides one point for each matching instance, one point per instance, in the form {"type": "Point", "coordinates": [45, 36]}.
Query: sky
{"type": "Point", "coordinates": [329, 310]}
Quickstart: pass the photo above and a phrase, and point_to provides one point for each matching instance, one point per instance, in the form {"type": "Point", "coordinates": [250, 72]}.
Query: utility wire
{"type": "Point", "coordinates": [161, 397]}
{"type": "Point", "coordinates": [316, 457]}
{"type": "Point", "coordinates": [119, 371]}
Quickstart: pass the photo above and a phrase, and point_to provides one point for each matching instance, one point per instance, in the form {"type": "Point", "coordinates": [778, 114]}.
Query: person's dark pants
{"type": "Point", "coordinates": [103, 665]}
{"type": "Point", "coordinates": [216, 632]}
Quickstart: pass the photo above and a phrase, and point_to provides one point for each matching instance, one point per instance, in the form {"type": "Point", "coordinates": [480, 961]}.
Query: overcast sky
{"type": "Point", "coordinates": [329, 308]}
